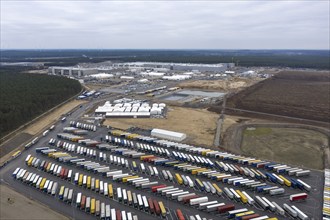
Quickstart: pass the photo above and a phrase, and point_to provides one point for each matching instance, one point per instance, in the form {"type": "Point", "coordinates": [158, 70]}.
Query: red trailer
{"type": "Point", "coordinates": [188, 198]}
{"type": "Point", "coordinates": [151, 206]}
{"type": "Point", "coordinates": [66, 173]}
{"type": "Point", "coordinates": [148, 159]}
{"type": "Point", "coordinates": [239, 169]}
{"type": "Point", "coordinates": [297, 197]}
{"type": "Point", "coordinates": [154, 188]}
{"type": "Point", "coordinates": [118, 215]}
{"type": "Point", "coordinates": [62, 173]}
{"type": "Point", "coordinates": [250, 216]}
{"type": "Point", "coordinates": [226, 208]}
{"type": "Point", "coordinates": [157, 209]}
{"type": "Point", "coordinates": [83, 202]}
{"type": "Point", "coordinates": [179, 215]}
{"type": "Point", "coordinates": [45, 166]}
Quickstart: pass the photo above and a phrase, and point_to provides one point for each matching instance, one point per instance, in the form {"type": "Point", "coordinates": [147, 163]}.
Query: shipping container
{"type": "Point", "coordinates": [290, 210]}
{"type": "Point", "coordinates": [197, 201]}
{"type": "Point", "coordinates": [179, 215]}
{"type": "Point", "coordinates": [297, 197]}
{"type": "Point", "coordinates": [232, 213]}
{"type": "Point", "coordinates": [162, 208]}
{"type": "Point", "coordinates": [226, 208]}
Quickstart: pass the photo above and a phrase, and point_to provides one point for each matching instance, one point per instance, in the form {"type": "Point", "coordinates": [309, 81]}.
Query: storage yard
{"type": "Point", "coordinates": [87, 172]}
{"type": "Point", "coordinates": [198, 124]}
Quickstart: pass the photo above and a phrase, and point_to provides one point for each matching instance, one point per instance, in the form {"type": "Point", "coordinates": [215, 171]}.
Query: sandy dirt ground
{"type": "Point", "coordinates": [231, 120]}
{"type": "Point", "coordinates": [198, 124]}
{"type": "Point", "coordinates": [219, 85]}
{"type": "Point", "coordinates": [52, 117]}
{"type": "Point", "coordinates": [21, 207]}
{"type": "Point", "coordinates": [288, 145]}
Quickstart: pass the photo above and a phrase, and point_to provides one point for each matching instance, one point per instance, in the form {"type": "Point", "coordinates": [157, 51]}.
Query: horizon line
{"type": "Point", "coordinates": [147, 49]}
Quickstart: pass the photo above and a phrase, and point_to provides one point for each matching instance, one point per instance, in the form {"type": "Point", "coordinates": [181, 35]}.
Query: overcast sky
{"type": "Point", "coordinates": [165, 24]}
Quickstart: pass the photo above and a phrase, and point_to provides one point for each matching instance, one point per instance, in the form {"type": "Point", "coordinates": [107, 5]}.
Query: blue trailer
{"type": "Point", "coordinates": [271, 177]}
{"type": "Point", "coordinates": [260, 189]}
{"type": "Point", "coordinates": [268, 166]}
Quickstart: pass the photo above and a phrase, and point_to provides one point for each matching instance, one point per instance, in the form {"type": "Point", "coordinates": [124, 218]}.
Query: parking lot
{"type": "Point", "coordinates": [311, 206]}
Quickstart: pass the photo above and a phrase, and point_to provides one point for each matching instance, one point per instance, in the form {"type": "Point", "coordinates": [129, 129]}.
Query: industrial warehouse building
{"type": "Point", "coordinates": [133, 109]}
{"type": "Point", "coordinates": [219, 67]}
{"type": "Point", "coordinates": [169, 135]}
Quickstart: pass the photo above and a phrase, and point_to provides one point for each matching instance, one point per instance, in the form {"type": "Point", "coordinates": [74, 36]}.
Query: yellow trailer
{"type": "Point", "coordinates": [88, 182]}
{"type": "Point", "coordinates": [42, 184]}
{"type": "Point", "coordinates": [80, 180]}
{"type": "Point", "coordinates": [110, 190]}
{"type": "Point", "coordinates": [217, 188]}
{"type": "Point", "coordinates": [97, 185]}
{"type": "Point", "coordinates": [48, 167]}
{"type": "Point", "coordinates": [61, 192]}
{"type": "Point", "coordinates": [244, 214]}
{"type": "Point", "coordinates": [178, 178]}
{"type": "Point", "coordinates": [162, 208]}
{"type": "Point", "coordinates": [92, 206]}
{"type": "Point", "coordinates": [206, 151]}
{"type": "Point", "coordinates": [29, 163]}
{"type": "Point", "coordinates": [243, 197]}
{"type": "Point", "coordinates": [16, 154]}
{"type": "Point", "coordinates": [129, 177]}
{"type": "Point", "coordinates": [286, 181]}
{"type": "Point", "coordinates": [194, 172]}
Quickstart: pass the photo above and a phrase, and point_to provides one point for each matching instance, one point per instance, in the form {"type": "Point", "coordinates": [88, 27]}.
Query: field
{"type": "Point", "coordinates": [294, 146]}
{"type": "Point", "coordinates": [290, 93]}
{"type": "Point", "coordinates": [198, 124]}
{"type": "Point", "coordinates": [16, 206]}
{"type": "Point", "coordinates": [218, 85]}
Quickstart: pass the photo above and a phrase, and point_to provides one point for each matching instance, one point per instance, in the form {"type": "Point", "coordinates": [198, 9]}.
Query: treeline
{"type": "Point", "coordinates": [318, 59]}
{"type": "Point", "coordinates": [304, 61]}
{"type": "Point", "coordinates": [24, 96]}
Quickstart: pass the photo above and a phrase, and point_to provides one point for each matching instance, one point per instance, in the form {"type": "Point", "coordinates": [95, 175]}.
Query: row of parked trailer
{"type": "Point", "coordinates": [35, 180]}
{"type": "Point", "coordinates": [101, 209]}
{"type": "Point", "coordinates": [149, 167]}
{"type": "Point", "coordinates": [205, 152]}
{"type": "Point", "coordinates": [202, 203]}
{"type": "Point", "coordinates": [106, 189]}
{"type": "Point", "coordinates": [76, 131]}
{"type": "Point", "coordinates": [209, 187]}
{"type": "Point", "coordinates": [250, 172]}
{"type": "Point", "coordinates": [88, 127]}
{"type": "Point", "coordinates": [144, 183]}
{"type": "Point", "coordinates": [326, 195]}
{"type": "Point", "coordinates": [232, 169]}
{"type": "Point", "coordinates": [279, 168]}
{"type": "Point", "coordinates": [141, 202]}
{"type": "Point", "coordinates": [88, 204]}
